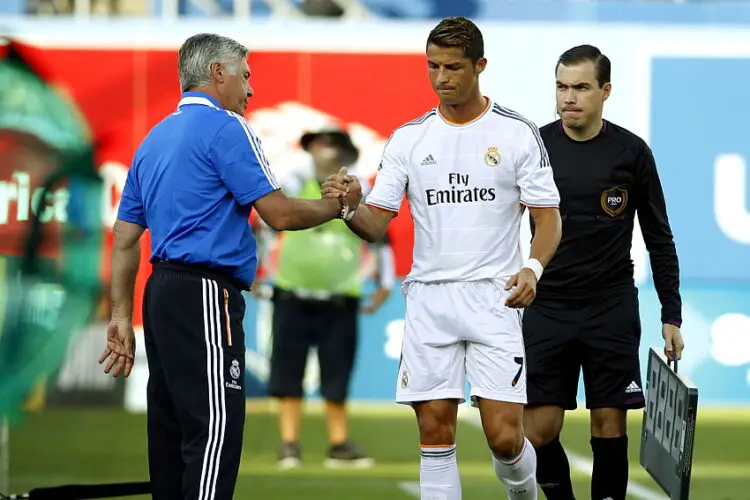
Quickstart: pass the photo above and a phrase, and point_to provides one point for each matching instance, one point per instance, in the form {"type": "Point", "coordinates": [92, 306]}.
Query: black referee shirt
{"type": "Point", "coordinates": [603, 183]}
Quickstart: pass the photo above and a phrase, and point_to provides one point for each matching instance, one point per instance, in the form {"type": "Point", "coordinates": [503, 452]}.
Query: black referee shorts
{"type": "Point", "coordinates": [602, 335]}
{"type": "Point", "coordinates": [300, 324]}
{"type": "Point", "coordinates": [195, 346]}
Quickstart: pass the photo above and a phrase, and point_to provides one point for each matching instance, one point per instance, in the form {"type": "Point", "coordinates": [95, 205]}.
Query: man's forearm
{"type": "Point", "coordinates": [547, 234]}
{"type": "Point", "coordinates": [368, 225]}
{"type": "Point", "coordinates": [124, 269]}
{"type": "Point", "coordinates": [304, 214]}
{"type": "Point", "coordinates": [666, 275]}
{"type": "Point", "coordinates": [665, 267]}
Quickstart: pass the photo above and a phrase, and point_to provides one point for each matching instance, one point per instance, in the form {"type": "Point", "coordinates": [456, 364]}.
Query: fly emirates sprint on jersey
{"type": "Point", "coordinates": [466, 185]}
{"type": "Point", "coordinates": [460, 190]}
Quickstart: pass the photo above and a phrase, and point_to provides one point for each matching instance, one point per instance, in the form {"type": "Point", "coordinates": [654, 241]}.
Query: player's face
{"type": "Point", "coordinates": [580, 98]}
{"type": "Point", "coordinates": [453, 76]}
{"type": "Point", "coordinates": [234, 86]}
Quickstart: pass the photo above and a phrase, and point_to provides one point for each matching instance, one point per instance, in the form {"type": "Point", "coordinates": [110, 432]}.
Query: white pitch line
{"type": "Point", "coordinates": [410, 488]}
{"type": "Point", "coordinates": [578, 462]}
{"type": "Point", "coordinates": [582, 464]}
{"type": "Point", "coordinates": [635, 490]}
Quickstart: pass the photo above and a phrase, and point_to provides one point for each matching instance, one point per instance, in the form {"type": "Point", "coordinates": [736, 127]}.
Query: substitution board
{"type": "Point", "coordinates": [669, 426]}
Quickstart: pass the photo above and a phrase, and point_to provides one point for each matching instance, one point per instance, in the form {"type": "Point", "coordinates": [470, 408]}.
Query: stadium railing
{"type": "Point", "coordinates": [558, 10]}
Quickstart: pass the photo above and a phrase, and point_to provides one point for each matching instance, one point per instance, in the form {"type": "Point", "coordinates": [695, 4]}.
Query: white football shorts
{"type": "Point", "coordinates": [456, 330]}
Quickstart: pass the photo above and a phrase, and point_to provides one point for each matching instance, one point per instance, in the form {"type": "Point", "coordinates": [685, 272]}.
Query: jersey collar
{"type": "Point", "coordinates": [602, 131]}
{"type": "Point", "coordinates": [488, 107]}
{"type": "Point", "coordinates": [199, 98]}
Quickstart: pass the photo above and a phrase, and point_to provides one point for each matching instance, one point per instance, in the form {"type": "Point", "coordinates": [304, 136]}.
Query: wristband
{"type": "Point", "coordinates": [346, 213]}
{"type": "Point", "coordinates": [536, 267]}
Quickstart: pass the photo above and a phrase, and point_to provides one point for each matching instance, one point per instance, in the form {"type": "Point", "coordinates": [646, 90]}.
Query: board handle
{"type": "Point", "coordinates": [672, 363]}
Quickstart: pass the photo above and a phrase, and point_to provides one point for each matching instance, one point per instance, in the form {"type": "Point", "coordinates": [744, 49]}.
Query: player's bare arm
{"type": "Point", "coordinates": [283, 213]}
{"type": "Point", "coordinates": [543, 247]}
{"type": "Point", "coordinates": [126, 255]}
{"type": "Point", "coordinates": [547, 234]}
{"type": "Point", "coordinates": [368, 222]}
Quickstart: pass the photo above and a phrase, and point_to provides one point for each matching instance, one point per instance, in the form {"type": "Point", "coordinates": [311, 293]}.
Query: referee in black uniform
{"type": "Point", "coordinates": [586, 314]}
{"type": "Point", "coordinates": [192, 184]}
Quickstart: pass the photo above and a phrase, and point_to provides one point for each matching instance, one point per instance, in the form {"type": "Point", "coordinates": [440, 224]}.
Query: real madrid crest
{"type": "Point", "coordinates": [234, 370]}
{"type": "Point", "coordinates": [492, 157]}
{"type": "Point", "coordinates": [404, 379]}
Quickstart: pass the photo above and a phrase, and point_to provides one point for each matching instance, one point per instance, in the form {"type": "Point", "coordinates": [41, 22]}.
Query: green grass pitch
{"type": "Point", "coordinates": [55, 447]}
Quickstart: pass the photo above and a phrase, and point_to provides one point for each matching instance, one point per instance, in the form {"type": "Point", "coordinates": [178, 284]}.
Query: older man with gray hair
{"type": "Point", "coordinates": [192, 183]}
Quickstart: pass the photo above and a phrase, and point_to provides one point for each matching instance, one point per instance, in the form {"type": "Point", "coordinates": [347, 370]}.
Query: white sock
{"type": "Point", "coordinates": [438, 473]}
{"type": "Point", "coordinates": [519, 474]}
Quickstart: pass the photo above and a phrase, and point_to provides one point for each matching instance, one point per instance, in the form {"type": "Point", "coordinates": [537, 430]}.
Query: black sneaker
{"type": "Point", "coordinates": [289, 456]}
{"type": "Point", "coordinates": [348, 454]}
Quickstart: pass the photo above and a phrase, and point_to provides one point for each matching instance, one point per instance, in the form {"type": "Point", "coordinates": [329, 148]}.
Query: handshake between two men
{"type": "Point", "coordinates": [346, 188]}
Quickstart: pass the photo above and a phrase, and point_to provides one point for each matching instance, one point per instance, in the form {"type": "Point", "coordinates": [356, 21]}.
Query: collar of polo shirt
{"type": "Point", "coordinates": [199, 98]}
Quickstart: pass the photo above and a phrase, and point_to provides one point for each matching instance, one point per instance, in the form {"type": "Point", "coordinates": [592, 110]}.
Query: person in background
{"type": "Point", "coordinates": [317, 279]}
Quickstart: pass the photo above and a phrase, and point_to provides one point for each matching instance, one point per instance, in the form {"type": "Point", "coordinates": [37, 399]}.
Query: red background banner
{"type": "Point", "coordinates": [123, 93]}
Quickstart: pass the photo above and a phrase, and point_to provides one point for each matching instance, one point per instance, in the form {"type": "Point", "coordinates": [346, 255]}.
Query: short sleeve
{"type": "Point", "coordinates": [390, 182]}
{"type": "Point", "coordinates": [239, 160]}
{"type": "Point", "coordinates": [366, 187]}
{"type": "Point", "coordinates": [534, 173]}
{"type": "Point", "coordinates": [131, 202]}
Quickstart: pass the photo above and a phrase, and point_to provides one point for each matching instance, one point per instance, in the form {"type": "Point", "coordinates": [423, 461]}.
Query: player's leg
{"type": "Point", "coordinates": [496, 369]}
{"type": "Point", "coordinates": [291, 340]}
{"type": "Point", "coordinates": [337, 349]}
{"type": "Point", "coordinates": [513, 456]}
{"type": "Point", "coordinates": [431, 378]}
{"type": "Point", "coordinates": [612, 375]}
{"type": "Point", "coordinates": [553, 369]}
{"type": "Point", "coordinates": [199, 335]}
{"type": "Point", "coordinates": [438, 467]}
{"type": "Point", "coordinates": [164, 436]}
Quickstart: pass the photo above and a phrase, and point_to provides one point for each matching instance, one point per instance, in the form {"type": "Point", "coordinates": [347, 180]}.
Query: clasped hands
{"type": "Point", "coordinates": [344, 187]}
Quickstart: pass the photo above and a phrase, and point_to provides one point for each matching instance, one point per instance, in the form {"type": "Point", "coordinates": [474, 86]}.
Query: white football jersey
{"type": "Point", "coordinates": [467, 186]}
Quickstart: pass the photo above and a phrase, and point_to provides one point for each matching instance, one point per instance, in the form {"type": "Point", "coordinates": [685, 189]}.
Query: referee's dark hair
{"type": "Point", "coordinates": [584, 53]}
{"type": "Point", "coordinates": [458, 32]}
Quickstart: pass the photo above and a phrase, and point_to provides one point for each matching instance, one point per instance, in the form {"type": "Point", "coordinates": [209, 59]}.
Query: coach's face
{"type": "Point", "coordinates": [233, 86]}
{"type": "Point", "coordinates": [454, 76]}
{"type": "Point", "coordinates": [580, 98]}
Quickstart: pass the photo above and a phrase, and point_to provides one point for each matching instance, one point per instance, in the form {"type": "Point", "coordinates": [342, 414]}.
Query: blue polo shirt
{"type": "Point", "coordinates": [192, 185]}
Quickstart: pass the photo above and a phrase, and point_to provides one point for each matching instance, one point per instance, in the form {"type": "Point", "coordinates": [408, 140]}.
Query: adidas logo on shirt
{"type": "Point", "coordinates": [633, 387]}
{"type": "Point", "coordinates": [428, 161]}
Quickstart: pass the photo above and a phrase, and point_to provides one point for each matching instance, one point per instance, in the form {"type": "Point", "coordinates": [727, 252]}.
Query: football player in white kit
{"type": "Point", "coordinates": [469, 168]}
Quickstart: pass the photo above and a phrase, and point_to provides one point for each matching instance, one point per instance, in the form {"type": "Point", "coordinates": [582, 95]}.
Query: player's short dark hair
{"type": "Point", "coordinates": [458, 32]}
{"type": "Point", "coordinates": [584, 53]}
